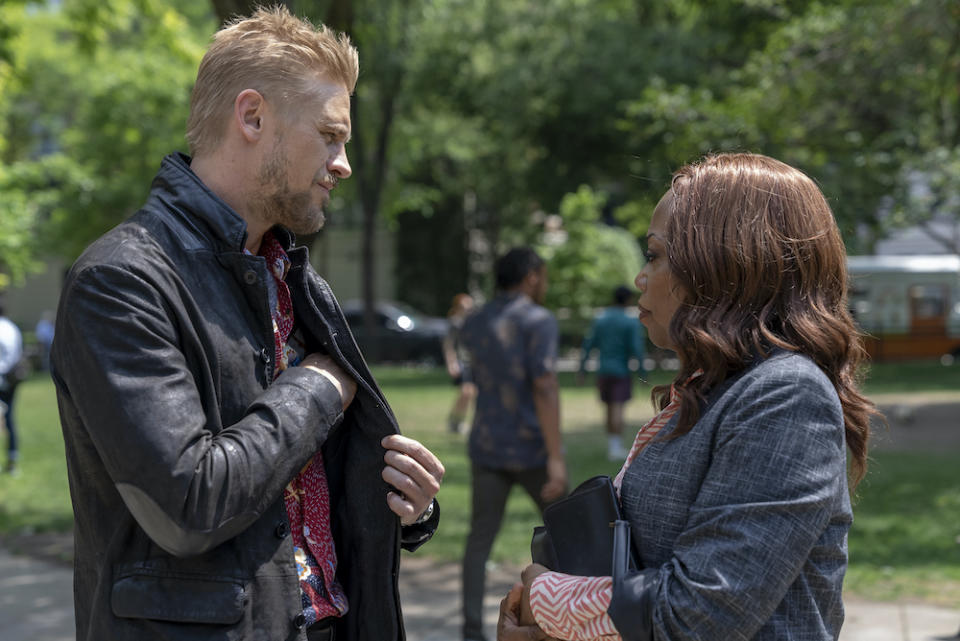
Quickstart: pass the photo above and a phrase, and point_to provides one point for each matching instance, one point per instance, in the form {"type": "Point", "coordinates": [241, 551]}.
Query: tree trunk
{"type": "Point", "coordinates": [370, 162]}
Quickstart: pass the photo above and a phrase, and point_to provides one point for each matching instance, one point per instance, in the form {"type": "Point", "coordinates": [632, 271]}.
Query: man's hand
{"type": "Point", "coordinates": [415, 473]}
{"type": "Point", "coordinates": [509, 627]}
{"type": "Point", "coordinates": [546, 401]}
{"type": "Point", "coordinates": [326, 366]}
{"type": "Point", "coordinates": [556, 485]}
{"type": "Point", "coordinates": [453, 369]}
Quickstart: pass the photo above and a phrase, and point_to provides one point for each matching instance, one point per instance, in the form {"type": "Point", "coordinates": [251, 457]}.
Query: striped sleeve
{"type": "Point", "coordinates": [573, 608]}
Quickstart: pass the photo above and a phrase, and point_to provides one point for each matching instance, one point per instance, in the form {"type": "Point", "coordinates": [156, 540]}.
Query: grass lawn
{"type": "Point", "coordinates": [904, 542]}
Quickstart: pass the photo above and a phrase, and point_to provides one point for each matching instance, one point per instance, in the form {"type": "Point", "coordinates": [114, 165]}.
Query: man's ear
{"type": "Point", "coordinates": [248, 113]}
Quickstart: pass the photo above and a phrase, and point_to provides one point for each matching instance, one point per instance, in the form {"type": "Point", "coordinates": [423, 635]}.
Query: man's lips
{"type": "Point", "coordinates": [328, 184]}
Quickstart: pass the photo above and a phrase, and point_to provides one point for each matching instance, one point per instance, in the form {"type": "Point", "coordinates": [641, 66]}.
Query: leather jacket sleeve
{"type": "Point", "coordinates": [416, 534]}
{"type": "Point", "coordinates": [128, 368]}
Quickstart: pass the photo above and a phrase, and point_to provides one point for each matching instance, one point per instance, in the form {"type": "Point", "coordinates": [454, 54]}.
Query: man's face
{"type": "Point", "coordinates": [540, 289]}
{"type": "Point", "coordinates": [306, 160]}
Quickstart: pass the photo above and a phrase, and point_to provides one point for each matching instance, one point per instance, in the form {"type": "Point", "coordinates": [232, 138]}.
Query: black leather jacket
{"type": "Point", "coordinates": [179, 447]}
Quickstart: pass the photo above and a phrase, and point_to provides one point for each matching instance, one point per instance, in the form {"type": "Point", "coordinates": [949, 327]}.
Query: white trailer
{"type": "Point", "coordinates": [909, 306]}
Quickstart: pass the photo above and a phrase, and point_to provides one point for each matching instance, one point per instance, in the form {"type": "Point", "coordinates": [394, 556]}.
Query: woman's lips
{"type": "Point", "coordinates": [644, 312]}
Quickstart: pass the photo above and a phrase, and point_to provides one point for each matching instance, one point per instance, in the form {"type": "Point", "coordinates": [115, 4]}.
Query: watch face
{"type": "Point", "coordinates": [426, 513]}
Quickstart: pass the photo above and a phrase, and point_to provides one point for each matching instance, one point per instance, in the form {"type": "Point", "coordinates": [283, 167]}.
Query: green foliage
{"type": "Point", "coordinates": [494, 111]}
{"type": "Point", "coordinates": [97, 94]}
{"type": "Point", "coordinates": [932, 187]}
{"type": "Point", "coordinates": [853, 93]}
{"type": "Point", "coordinates": [586, 258]}
{"type": "Point", "coordinates": [18, 216]}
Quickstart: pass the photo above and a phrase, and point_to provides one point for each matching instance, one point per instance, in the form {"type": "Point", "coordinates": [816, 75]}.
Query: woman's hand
{"type": "Point", "coordinates": [529, 573]}
{"type": "Point", "coordinates": [509, 627]}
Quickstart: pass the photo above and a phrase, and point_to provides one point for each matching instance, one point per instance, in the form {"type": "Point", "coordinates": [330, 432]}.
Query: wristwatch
{"type": "Point", "coordinates": [427, 513]}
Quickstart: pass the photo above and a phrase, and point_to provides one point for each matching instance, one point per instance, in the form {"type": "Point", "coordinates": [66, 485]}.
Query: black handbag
{"type": "Point", "coordinates": [584, 533]}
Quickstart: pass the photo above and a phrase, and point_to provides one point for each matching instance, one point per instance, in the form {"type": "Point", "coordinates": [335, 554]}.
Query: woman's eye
{"type": "Point", "coordinates": [649, 256]}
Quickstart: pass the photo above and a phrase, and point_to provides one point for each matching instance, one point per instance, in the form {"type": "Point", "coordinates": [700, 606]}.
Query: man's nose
{"type": "Point", "coordinates": [338, 165]}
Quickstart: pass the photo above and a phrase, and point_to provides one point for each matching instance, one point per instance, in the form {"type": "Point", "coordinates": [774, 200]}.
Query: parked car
{"type": "Point", "coordinates": [401, 334]}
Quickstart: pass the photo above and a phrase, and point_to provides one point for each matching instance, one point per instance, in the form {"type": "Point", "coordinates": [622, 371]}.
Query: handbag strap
{"type": "Point", "coordinates": [621, 550]}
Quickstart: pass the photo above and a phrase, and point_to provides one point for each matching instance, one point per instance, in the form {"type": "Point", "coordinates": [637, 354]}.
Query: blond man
{"type": "Point", "coordinates": [235, 471]}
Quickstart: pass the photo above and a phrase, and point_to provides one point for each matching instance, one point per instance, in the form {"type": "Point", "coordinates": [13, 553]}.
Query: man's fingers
{"type": "Point", "coordinates": [409, 477]}
{"type": "Point", "coordinates": [406, 509]}
{"type": "Point", "coordinates": [415, 473]}
{"type": "Point", "coordinates": [417, 452]}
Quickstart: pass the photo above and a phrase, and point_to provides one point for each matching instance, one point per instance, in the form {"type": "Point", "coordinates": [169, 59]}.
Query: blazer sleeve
{"type": "Point", "coordinates": [775, 481]}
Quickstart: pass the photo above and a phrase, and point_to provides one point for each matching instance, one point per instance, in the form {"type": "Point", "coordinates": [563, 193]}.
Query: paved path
{"type": "Point", "coordinates": [36, 604]}
{"type": "Point", "coordinates": [36, 600]}
{"type": "Point", "coordinates": [922, 421]}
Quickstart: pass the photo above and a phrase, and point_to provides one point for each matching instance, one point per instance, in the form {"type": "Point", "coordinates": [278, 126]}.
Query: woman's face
{"type": "Point", "coordinates": [660, 295]}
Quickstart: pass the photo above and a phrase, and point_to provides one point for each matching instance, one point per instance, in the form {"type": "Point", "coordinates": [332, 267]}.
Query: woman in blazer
{"type": "Point", "coordinates": [737, 491]}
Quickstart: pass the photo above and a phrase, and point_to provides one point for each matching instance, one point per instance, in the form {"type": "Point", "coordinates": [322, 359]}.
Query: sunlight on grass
{"type": "Point", "coordinates": [905, 541]}
{"type": "Point", "coordinates": [37, 499]}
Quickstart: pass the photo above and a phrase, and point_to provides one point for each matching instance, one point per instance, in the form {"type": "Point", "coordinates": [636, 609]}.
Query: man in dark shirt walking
{"type": "Point", "coordinates": [515, 438]}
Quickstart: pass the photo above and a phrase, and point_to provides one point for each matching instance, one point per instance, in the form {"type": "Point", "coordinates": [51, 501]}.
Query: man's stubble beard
{"type": "Point", "coordinates": [277, 204]}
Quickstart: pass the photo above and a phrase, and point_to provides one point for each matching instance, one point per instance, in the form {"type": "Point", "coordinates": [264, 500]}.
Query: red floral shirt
{"type": "Point", "coordinates": [307, 497]}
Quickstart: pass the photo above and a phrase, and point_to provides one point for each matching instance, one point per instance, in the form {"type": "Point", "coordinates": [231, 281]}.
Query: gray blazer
{"type": "Point", "coordinates": [742, 522]}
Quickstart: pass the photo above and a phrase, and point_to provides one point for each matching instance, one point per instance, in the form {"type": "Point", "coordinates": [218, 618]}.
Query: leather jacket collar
{"type": "Point", "coordinates": [178, 188]}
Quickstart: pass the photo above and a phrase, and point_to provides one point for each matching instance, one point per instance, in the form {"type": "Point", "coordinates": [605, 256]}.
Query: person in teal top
{"type": "Point", "coordinates": [618, 337]}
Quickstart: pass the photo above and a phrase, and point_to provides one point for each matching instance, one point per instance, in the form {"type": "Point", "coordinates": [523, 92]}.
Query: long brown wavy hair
{"type": "Point", "coordinates": [753, 245]}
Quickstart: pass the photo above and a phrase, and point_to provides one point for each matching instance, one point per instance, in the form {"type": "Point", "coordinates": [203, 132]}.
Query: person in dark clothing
{"type": "Point", "coordinates": [515, 437]}
{"type": "Point", "coordinates": [235, 471]}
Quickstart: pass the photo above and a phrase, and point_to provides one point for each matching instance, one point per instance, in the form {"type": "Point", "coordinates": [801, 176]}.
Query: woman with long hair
{"type": "Point", "coordinates": [738, 490]}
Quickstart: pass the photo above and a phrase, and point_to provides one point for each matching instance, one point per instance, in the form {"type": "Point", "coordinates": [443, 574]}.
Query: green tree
{"type": "Point", "coordinates": [96, 94]}
{"type": "Point", "coordinates": [18, 216]}
{"type": "Point", "coordinates": [859, 94]}
{"type": "Point", "coordinates": [586, 258]}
